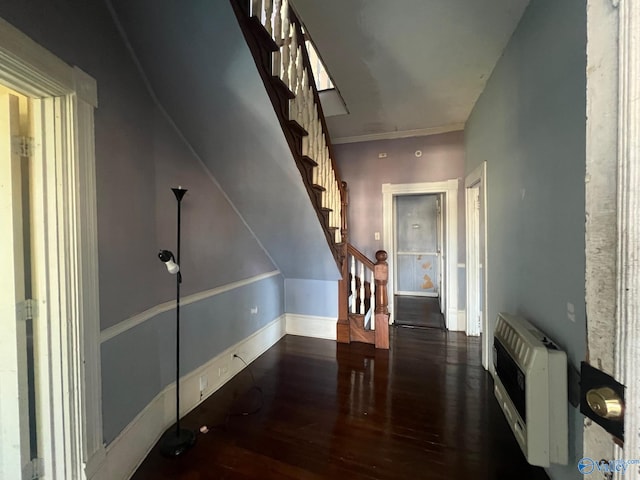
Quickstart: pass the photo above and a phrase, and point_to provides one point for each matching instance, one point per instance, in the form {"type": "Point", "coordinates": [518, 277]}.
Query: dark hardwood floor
{"type": "Point", "coordinates": [418, 312]}
{"type": "Point", "coordinates": [424, 409]}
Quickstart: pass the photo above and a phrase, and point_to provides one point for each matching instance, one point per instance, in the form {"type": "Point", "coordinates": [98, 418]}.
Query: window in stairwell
{"type": "Point", "coordinates": [320, 74]}
{"type": "Point", "coordinates": [330, 98]}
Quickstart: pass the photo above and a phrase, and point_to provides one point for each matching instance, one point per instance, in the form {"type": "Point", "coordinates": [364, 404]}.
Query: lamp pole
{"type": "Point", "coordinates": [179, 193]}
{"type": "Point", "coordinates": [177, 442]}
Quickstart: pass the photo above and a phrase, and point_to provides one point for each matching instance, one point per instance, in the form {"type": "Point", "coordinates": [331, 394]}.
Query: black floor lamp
{"type": "Point", "coordinates": [176, 441]}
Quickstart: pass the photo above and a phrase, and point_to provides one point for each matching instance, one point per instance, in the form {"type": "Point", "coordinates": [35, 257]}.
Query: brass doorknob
{"type": "Point", "coordinates": [605, 403]}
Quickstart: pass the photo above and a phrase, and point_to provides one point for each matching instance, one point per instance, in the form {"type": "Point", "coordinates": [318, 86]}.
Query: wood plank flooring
{"type": "Point", "coordinates": [418, 312]}
{"type": "Point", "coordinates": [424, 409]}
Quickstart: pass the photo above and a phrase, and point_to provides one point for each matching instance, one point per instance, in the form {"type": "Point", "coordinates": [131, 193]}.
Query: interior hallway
{"type": "Point", "coordinates": [424, 409]}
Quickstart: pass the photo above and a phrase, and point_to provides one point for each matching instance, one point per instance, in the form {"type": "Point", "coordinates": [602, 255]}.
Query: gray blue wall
{"type": "Point", "coordinates": [136, 374]}
{"type": "Point", "coordinates": [529, 125]}
{"type": "Point", "coordinates": [311, 297]}
{"type": "Point", "coordinates": [200, 67]}
{"type": "Point", "coordinates": [139, 157]}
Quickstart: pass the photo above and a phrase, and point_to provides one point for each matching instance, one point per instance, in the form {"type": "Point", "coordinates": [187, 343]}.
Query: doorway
{"type": "Point", "coordinates": [418, 260]}
{"type": "Point", "coordinates": [476, 259]}
{"type": "Point", "coordinates": [50, 400]}
{"type": "Point", "coordinates": [418, 252]}
{"type": "Point", "coordinates": [16, 287]}
{"type": "Point", "coordinates": [429, 274]}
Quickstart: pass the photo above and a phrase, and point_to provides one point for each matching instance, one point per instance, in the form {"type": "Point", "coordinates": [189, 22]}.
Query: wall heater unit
{"type": "Point", "coordinates": [531, 388]}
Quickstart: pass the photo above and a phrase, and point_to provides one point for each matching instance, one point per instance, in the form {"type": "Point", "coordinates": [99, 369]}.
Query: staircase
{"type": "Point", "coordinates": [276, 39]}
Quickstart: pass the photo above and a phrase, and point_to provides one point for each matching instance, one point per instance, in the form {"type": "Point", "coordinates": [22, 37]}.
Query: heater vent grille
{"type": "Point", "coordinates": [514, 341]}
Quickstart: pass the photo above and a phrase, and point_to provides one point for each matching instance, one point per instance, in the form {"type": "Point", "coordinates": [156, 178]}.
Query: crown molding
{"type": "Point", "coordinates": [420, 132]}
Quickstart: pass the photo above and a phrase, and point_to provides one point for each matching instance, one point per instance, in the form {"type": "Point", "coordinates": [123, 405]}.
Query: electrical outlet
{"type": "Point", "coordinates": [376, 235]}
{"type": "Point", "coordinates": [204, 382]}
{"type": "Point", "coordinates": [223, 370]}
{"type": "Point", "coordinates": [254, 310]}
{"type": "Point", "coordinates": [571, 312]}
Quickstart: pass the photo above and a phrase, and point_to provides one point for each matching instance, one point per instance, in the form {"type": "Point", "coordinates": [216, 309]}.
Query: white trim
{"type": "Point", "coordinates": [114, 331]}
{"type": "Point", "coordinates": [311, 326]}
{"type": "Point", "coordinates": [612, 199]}
{"type": "Point", "coordinates": [461, 318]}
{"type": "Point", "coordinates": [474, 233]}
{"type": "Point", "coordinates": [627, 329]}
{"type": "Point", "coordinates": [128, 450]}
{"type": "Point", "coordinates": [64, 251]}
{"type": "Point", "coordinates": [602, 100]}
{"type": "Point", "coordinates": [420, 132]}
{"type": "Point", "coordinates": [417, 294]}
{"type": "Point", "coordinates": [29, 68]}
{"type": "Point", "coordinates": [450, 189]}
{"type": "Point", "coordinates": [86, 100]}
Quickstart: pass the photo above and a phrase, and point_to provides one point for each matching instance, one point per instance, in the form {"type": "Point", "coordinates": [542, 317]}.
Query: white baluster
{"type": "Point", "coordinates": [284, 51]}
{"type": "Point", "coordinates": [277, 22]}
{"type": "Point", "coordinates": [362, 278]}
{"type": "Point", "coordinates": [268, 17]}
{"type": "Point", "coordinates": [256, 9]}
{"type": "Point", "coordinates": [372, 300]}
{"type": "Point", "coordinates": [352, 271]}
{"type": "Point", "coordinates": [276, 68]}
{"type": "Point", "coordinates": [304, 93]}
{"type": "Point", "coordinates": [325, 173]}
{"type": "Point", "coordinates": [293, 52]}
{"type": "Point", "coordinates": [299, 92]}
{"type": "Point", "coordinates": [305, 115]}
{"type": "Point", "coordinates": [334, 202]}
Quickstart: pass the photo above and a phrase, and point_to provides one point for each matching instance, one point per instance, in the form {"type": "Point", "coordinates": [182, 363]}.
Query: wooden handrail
{"type": "Point", "coordinates": [351, 250]}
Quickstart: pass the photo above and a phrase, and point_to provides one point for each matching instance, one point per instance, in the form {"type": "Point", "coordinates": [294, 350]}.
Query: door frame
{"type": "Point", "coordinates": [612, 199]}
{"type": "Point", "coordinates": [65, 253]}
{"type": "Point", "coordinates": [474, 234]}
{"type": "Point", "coordinates": [439, 245]}
{"type": "Point", "coordinates": [449, 189]}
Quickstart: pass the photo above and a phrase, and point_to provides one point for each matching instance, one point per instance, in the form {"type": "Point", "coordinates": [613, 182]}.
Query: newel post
{"type": "Point", "coordinates": [381, 276]}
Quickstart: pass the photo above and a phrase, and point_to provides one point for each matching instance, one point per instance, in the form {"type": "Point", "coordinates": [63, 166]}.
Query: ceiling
{"type": "Point", "coordinates": [407, 67]}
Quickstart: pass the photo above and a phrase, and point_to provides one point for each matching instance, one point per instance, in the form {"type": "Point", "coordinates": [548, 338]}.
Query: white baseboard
{"type": "Point", "coordinates": [311, 326]}
{"type": "Point", "coordinates": [125, 454]}
{"type": "Point", "coordinates": [455, 320]}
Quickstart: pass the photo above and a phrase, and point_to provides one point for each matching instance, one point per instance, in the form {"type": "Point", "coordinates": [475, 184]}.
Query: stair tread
{"type": "Point", "coordinates": [280, 85]}
{"type": "Point", "coordinates": [307, 159]}
{"type": "Point", "coordinates": [263, 36]}
{"type": "Point", "coordinates": [297, 128]}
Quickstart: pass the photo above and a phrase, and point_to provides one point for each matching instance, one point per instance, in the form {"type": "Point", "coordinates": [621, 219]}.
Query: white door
{"type": "Point", "coordinates": [17, 375]}
{"type": "Point", "coordinates": [418, 245]}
